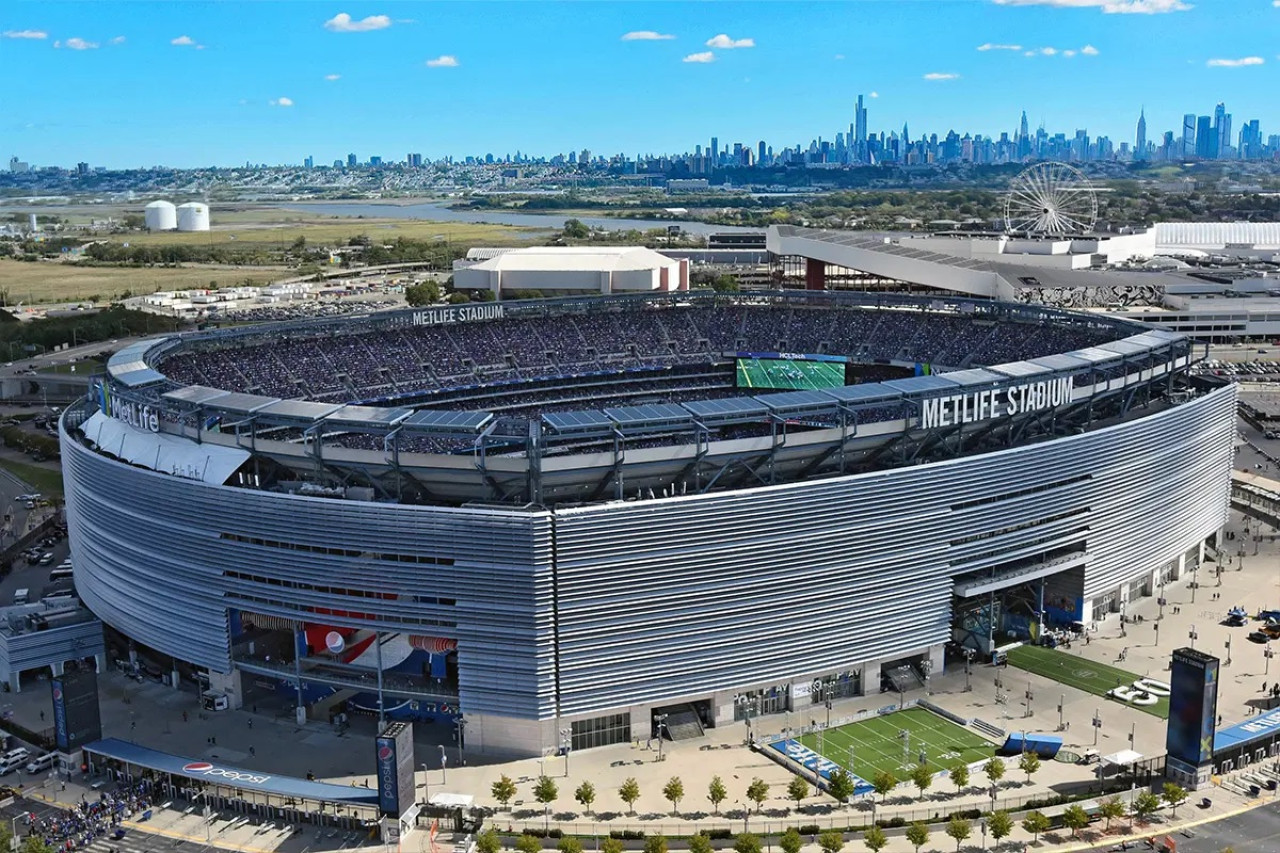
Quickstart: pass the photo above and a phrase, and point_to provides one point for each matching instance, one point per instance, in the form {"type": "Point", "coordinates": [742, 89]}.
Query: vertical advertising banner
{"type": "Point", "coordinates": [388, 780]}
{"type": "Point", "coordinates": [76, 716]}
{"type": "Point", "coordinates": [1193, 706]}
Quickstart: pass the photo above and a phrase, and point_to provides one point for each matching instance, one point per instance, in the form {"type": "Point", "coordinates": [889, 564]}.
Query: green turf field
{"type": "Point", "coordinates": [877, 746]}
{"type": "Point", "coordinates": [1087, 675]}
{"type": "Point", "coordinates": [794, 375]}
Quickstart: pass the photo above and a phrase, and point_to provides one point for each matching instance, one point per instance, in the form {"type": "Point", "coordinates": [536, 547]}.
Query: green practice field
{"type": "Point", "coordinates": [877, 746]}
{"type": "Point", "coordinates": [794, 375]}
{"type": "Point", "coordinates": [1088, 675]}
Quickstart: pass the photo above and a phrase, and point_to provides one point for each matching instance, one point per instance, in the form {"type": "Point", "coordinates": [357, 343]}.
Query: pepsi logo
{"type": "Point", "coordinates": [57, 694]}
{"type": "Point", "coordinates": [385, 753]}
{"type": "Point", "coordinates": [334, 642]}
{"type": "Point", "coordinates": [197, 767]}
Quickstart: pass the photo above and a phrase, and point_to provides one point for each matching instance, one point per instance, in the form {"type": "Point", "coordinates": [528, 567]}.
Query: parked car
{"type": "Point", "coordinates": [1258, 637]}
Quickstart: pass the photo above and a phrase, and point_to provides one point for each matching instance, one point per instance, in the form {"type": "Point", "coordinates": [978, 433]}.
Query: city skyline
{"type": "Point", "coordinates": [204, 89]}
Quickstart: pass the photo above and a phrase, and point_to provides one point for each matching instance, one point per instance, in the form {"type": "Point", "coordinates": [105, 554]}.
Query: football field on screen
{"type": "Point", "coordinates": [877, 744]}
{"type": "Point", "coordinates": [788, 374]}
{"type": "Point", "coordinates": [1091, 676]}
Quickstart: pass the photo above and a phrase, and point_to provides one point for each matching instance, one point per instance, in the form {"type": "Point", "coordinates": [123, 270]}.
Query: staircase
{"type": "Point", "coordinates": [683, 724]}
{"type": "Point", "coordinates": [905, 678]}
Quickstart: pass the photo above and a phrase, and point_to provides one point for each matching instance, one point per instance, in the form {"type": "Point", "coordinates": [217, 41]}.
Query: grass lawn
{"type": "Point", "coordinates": [277, 229]}
{"type": "Point", "coordinates": [55, 281]}
{"type": "Point", "coordinates": [877, 746]}
{"type": "Point", "coordinates": [46, 481]}
{"type": "Point", "coordinates": [1088, 675]}
{"type": "Point", "coordinates": [84, 367]}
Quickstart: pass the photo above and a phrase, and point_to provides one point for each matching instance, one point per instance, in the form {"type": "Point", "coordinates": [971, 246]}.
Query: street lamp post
{"type": "Point", "coordinates": [1195, 581]}
{"type": "Point", "coordinates": [1062, 701]}
{"type": "Point", "coordinates": [565, 743]}
{"type": "Point", "coordinates": [1228, 651]}
{"type": "Point", "coordinates": [1267, 654]}
{"type": "Point", "coordinates": [1157, 627]}
{"type": "Point", "coordinates": [661, 720]}
{"type": "Point", "coordinates": [1029, 697]}
{"type": "Point", "coordinates": [1097, 726]}
{"type": "Point", "coordinates": [444, 761]}
{"type": "Point", "coordinates": [968, 669]}
{"type": "Point", "coordinates": [1192, 636]}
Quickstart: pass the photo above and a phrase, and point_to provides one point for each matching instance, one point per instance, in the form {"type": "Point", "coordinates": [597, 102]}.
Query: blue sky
{"type": "Point", "coordinates": [126, 84]}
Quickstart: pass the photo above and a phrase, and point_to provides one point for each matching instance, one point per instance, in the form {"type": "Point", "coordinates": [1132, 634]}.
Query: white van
{"type": "Point", "coordinates": [13, 759]}
{"type": "Point", "coordinates": [214, 701]}
{"type": "Point", "coordinates": [22, 596]}
{"type": "Point", "coordinates": [43, 762]}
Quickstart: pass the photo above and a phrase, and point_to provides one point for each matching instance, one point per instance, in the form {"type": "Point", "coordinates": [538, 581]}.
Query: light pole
{"type": "Point", "coordinates": [1029, 697]}
{"type": "Point", "coordinates": [460, 724]}
{"type": "Point", "coordinates": [1267, 654]}
{"type": "Point", "coordinates": [661, 720]}
{"type": "Point", "coordinates": [968, 669]}
{"type": "Point", "coordinates": [1157, 627]}
{"type": "Point", "coordinates": [1192, 636]}
{"type": "Point", "coordinates": [444, 761]}
{"type": "Point", "coordinates": [984, 835]}
{"type": "Point", "coordinates": [1228, 651]}
{"type": "Point", "coordinates": [1097, 726]}
{"type": "Point", "coordinates": [1062, 701]}
{"type": "Point", "coordinates": [1124, 609]}
{"type": "Point", "coordinates": [426, 784]}
{"type": "Point", "coordinates": [565, 741]}
{"type": "Point", "coordinates": [1195, 581]}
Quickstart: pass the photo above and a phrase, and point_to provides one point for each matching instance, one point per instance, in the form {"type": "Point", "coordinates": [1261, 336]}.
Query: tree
{"type": "Point", "coordinates": [960, 776]}
{"type": "Point", "coordinates": [585, 795]}
{"type": "Point", "coordinates": [758, 792]}
{"type": "Point", "coordinates": [528, 844]}
{"type": "Point", "coordinates": [1036, 823]}
{"type": "Point", "coordinates": [716, 793]}
{"type": "Point", "coordinates": [1029, 763]}
{"type": "Point", "coordinates": [797, 789]}
{"type": "Point", "coordinates": [747, 843]}
{"type": "Point", "coordinates": [426, 293]}
{"type": "Point", "coordinates": [791, 842]}
{"type": "Point", "coordinates": [959, 829]}
{"type": "Point", "coordinates": [569, 844]}
{"type": "Point", "coordinates": [575, 230]}
{"type": "Point", "coordinates": [1075, 818]}
{"type": "Point", "coordinates": [611, 845]}
{"type": "Point", "coordinates": [655, 844]}
{"type": "Point", "coordinates": [673, 792]}
{"type": "Point", "coordinates": [841, 784]}
{"type": "Point", "coordinates": [875, 839]}
{"type": "Point", "coordinates": [918, 835]}
{"type": "Point", "coordinates": [700, 843]}
{"type": "Point", "coordinates": [921, 777]}
{"type": "Point", "coordinates": [489, 841]}
{"type": "Point", "coordinates": [504, 790]}
{"type": "Point", "coordinates": [725, 283]}
{"type": "Point", "coordinates": [883, 783]}
{"type": "Point", "coordinates": [1174, 794]}
{"type": "Point", "coordinates": [1144, 805]}
{"type": "Point", "coordinates": [1111, 808]}
{"type": "Point", "coordinates": [831, 841]}
{"type": "Point", "coordinates": [629, 793]}
{"type": "Point", "coordinates": [999, 825]}
{"type": "Point", "coordinates": [457, 298]}
{"type": "Point", "coordinates": [994, 770]}
{"type": "Point", "coordinates": [545, 791]}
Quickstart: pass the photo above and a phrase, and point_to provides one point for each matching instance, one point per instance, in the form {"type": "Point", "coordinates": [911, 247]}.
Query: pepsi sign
{"type": "Point", "coordinates": [388, 787]}
{"type": "Point", "coordinates": [238, 777]}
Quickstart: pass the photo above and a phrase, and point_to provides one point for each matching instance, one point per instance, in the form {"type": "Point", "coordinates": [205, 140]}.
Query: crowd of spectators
{"type": "Point", "coordinates": [79, 827]}
{"type": "Point", "coordinates": [360, 366]}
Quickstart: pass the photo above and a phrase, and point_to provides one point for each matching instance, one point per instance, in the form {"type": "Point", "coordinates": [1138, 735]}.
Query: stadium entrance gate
{"type": "Point", "coordinates": [681, 722]}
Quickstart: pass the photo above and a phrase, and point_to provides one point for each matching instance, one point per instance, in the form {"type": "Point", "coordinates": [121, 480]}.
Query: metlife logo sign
{"type": "Point", "coordinates": [223, 774]}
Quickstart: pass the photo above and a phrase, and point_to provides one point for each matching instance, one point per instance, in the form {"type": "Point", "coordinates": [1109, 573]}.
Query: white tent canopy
{"type": "Point", "coordinates": [167, 454]}
{"type": "Point", "coordinates": [1123, 757]}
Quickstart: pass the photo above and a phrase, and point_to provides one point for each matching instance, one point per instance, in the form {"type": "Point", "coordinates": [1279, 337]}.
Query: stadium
{"type": "Point", "coordinates": [584, 520]}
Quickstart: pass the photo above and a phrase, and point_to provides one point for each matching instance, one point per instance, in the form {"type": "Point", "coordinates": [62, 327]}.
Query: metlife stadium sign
{"type": "Point", "coordinates": [959, 409]}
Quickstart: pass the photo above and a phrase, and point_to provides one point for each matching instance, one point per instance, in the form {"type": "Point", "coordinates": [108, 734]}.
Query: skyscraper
{"type": "Point", "coordinates": [860, 132]}
{"type": "Point", "coordinates": [1189, 135]}
{"type": "Point", "coordinates": [1216, 146]}
{"type": "Point", "coordinates": [1023, 149]}
{"type": "Point", "coordinates": [1140, 144]}
{"type": "Point", "coordinates": [1204, 138]}
{"type": "Point", "coordinates": [715, 152]}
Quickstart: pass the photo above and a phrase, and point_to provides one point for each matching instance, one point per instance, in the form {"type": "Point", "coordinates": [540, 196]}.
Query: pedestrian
{"type": "Point", "coordinates": [252, 752]}
{"type": "Point", "coordinates": [184, 716]}
{"type": "Point", "coordinates": [133, 725]}
{"type": "Point", "coordinates": [42, 712]}
{"type": "Point", "coordinates": [251, 723]}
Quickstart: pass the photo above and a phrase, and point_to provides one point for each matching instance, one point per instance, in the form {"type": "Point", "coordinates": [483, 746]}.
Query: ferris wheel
{"type": "Point", "coordinates": [1051, 198]}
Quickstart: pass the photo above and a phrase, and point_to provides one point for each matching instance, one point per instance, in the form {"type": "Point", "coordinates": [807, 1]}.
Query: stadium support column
{"type": "Point", "coordinates": [815, 274]}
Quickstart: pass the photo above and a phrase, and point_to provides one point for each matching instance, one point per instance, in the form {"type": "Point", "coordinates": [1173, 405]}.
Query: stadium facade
{"type": "Point", "coordinates": [603, 551]}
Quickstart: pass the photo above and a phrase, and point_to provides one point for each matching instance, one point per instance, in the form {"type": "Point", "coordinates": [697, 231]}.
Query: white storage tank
{"type": "Point", "coordinates": [193, 216]}
{"type": "Point", "coordinates": [161, 216]}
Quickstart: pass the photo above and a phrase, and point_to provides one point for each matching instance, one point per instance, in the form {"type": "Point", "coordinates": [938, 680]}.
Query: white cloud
{"type": "Point", "coordinates": [646, 35]}
{"type": "Point", "coordinates": [343, 23]}
{"type": "Point", "coordinates": [1068, 53]}
{"type": "Point", "coordinates": [723, 42]}
{"type": "Point", "coordinates": [25, 34]}
{"type": "Point", "coordinates": [282, 102]}
{"type": "Point", "coordinates": [1110, 7]}
{"type": "Point", "coordinates": [1235, 63]}
{"type": "Point", "coordinates": [76, 43]}
{"type": "Point", "coordinates": [332, 77]}
{"type": "Point", "coordinates": [1089, 50]}
{"type": "Point", "coordinates": [874, 95]}
{"type": "Point", "coordinates": [1048, 51]}
{"type": "Point", "coordinates": [990, 46]}
{"type": "Point", "coordinates": [839, 56]}
{"type": "Point", "coordinates": [705, 56]}
{"type": "Point", "coordinates": [184, 41]}
{"type": "Point", "coordinates": [118, 40]}
{"type": "Point", "coordinates": [938, 75]}
{"type": "Point", "coordinates": [443, 61]}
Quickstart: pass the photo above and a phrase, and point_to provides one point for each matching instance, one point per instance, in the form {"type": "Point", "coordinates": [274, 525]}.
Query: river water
{"type": "Point", "coordinates": [437, 211]}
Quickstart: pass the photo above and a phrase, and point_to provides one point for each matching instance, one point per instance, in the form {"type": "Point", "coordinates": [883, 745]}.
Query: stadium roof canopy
{"type": "Point", "coordinates": [575, 259]}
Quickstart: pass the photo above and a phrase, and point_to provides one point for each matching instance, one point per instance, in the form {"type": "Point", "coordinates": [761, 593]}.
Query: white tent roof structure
{"type": "Point", "coordinates": [1123, 757]}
